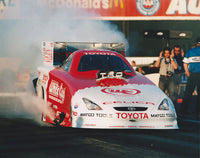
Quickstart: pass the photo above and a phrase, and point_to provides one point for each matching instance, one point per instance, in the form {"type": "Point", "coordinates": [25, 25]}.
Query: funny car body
{"type": "Point", "coordinates": [98, 88]}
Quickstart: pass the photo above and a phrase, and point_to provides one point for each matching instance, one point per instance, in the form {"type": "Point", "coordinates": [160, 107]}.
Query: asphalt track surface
{"type": "Point", "coordinates": [23, 137]}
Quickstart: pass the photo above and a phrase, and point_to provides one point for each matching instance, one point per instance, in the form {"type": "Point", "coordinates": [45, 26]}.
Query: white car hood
{"type": "Point", "coordinates": [121, 96]}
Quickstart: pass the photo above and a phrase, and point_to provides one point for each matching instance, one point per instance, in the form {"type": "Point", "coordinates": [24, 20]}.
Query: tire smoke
{"type": "Point", "coordinates": [21, 39]}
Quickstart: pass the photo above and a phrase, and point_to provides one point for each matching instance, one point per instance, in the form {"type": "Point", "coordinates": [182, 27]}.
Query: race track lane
{"type": "Point", "coordinates": [21, 137]}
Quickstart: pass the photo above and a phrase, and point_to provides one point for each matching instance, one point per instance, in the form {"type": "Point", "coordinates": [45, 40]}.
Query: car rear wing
{"type": "Point", "coordinates": [54, 53]}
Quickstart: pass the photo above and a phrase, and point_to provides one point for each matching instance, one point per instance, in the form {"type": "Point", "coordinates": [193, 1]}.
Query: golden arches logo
{"type": "Point", "coordinates": [116, 3]}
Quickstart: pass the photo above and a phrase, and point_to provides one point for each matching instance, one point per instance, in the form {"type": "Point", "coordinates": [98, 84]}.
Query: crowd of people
{"type": "Point", "coordinates": [138, 69]}
{"type": "Point", "coordinates": [173, 64]}
{"type": "Point", "coordinates": [176, 68]}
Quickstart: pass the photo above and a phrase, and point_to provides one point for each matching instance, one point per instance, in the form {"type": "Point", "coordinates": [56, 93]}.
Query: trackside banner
{"type": "Point", "coordinates": [107, 9]}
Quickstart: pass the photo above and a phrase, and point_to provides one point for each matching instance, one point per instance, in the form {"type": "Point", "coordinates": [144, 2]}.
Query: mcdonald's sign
{"type": "Point", "coordinates": [112, 9]}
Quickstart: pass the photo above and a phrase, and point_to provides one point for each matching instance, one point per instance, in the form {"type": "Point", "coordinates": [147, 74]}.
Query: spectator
{"type": "Point", "coordinates": [167, 65]}
{"type": "Point", "coordinates": [133, 63]}
{"type": "Point", "coordinates": [139, 69]}
{"type": "Point", "coordinates": [178, 54]}
{"type": "Point", "coordinates": [192, 70]}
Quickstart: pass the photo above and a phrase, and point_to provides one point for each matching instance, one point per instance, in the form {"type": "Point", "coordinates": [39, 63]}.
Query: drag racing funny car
{"type": "Point", "coordinates": [92, 85]}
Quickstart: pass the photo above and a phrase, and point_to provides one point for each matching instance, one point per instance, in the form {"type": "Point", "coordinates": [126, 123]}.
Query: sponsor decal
{"type": "Point", "coordinates": [163, 115]}
{"type": "Point", "coordinates": [125, 8]}
{"type": "Point", "coordinates": [57, 92]}
{"type": "Point", "coordinates": [74, 113]}
{"type": "Point", "coordinates": [55, 106]}
{"type": "Point", "coordinates": [146, 127]}
{"type": "Point", "coordinates": [116, 3]}
{"type": "Point", "coordinates": [44, 79]}
{"type": "Point", "coordinates": [96, 115]}
{"type": "Point", "coordinates": [110, 74]}
{"type": "Point", "coordinates": [108, 79]}
{"type": "Point", "coordinates": [87, 114]}
{"type": "Point", "coordinates": [148, 7]}
{"type": "Point", "coordinates": [184, 7]}
{"type": "Point", "coordinates": [103, 115]}
{"type": "Point", "coordinates": [168, 125]}
{"type": "Point", "coordinates": [98, 53]}
{"type": "Point", "coordinates": [117, 126]}
{"type": "Point", "coordinates": [86, 4]}
{"type": "Point", "coordinates": [47, 49]}
{"type": "Point", "coordinates": [76, 106]}
{"type": "Point", "coordinates": [128, 102]}
{"type": "Point", "coordinates": [112, 9]}
{"type": "Point", "coordinates": [132, 115]}
{"type": "Point", "coordinates": [121, 91]}
{"type": "Point", "coordinates": [170, 115]}
{"type": "Point", "coordinates": [157, 115]}
{"type": "Point", "coordinates": [54, 88]}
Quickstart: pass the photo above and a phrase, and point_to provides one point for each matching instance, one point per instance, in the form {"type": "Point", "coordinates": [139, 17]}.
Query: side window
{"type": "Point", "coordinates": [67, 63]}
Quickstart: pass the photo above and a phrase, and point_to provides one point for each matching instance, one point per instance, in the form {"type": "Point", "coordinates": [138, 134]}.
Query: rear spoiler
{"type": "Point", "coordinates": [54, 53]}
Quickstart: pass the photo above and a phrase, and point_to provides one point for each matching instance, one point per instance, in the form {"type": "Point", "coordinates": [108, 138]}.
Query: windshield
{"type": "Point", "coordinates": [102, 62]}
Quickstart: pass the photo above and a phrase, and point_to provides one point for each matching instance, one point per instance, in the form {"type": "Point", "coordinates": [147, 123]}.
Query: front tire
{"type": "Point", "coordinates": [40, 94]}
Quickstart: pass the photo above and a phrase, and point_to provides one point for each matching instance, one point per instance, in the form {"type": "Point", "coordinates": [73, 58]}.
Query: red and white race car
{"type": "Point", "coordinates": [98, 88]}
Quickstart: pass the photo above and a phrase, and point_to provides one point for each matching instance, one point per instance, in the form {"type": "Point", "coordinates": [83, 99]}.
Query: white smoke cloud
{"type": "Point", "coordinates": [22, 38]}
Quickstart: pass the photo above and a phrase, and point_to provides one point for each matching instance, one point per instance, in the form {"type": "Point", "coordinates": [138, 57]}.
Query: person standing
{"type": "Point", "coordinates": [192, 70]}
{"type": "Point", "coordinates": [167, 66]}
{"type": "Point", "coordinates": [133, 63]}
{"type": "Point", "coordinates": [178, 54]}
